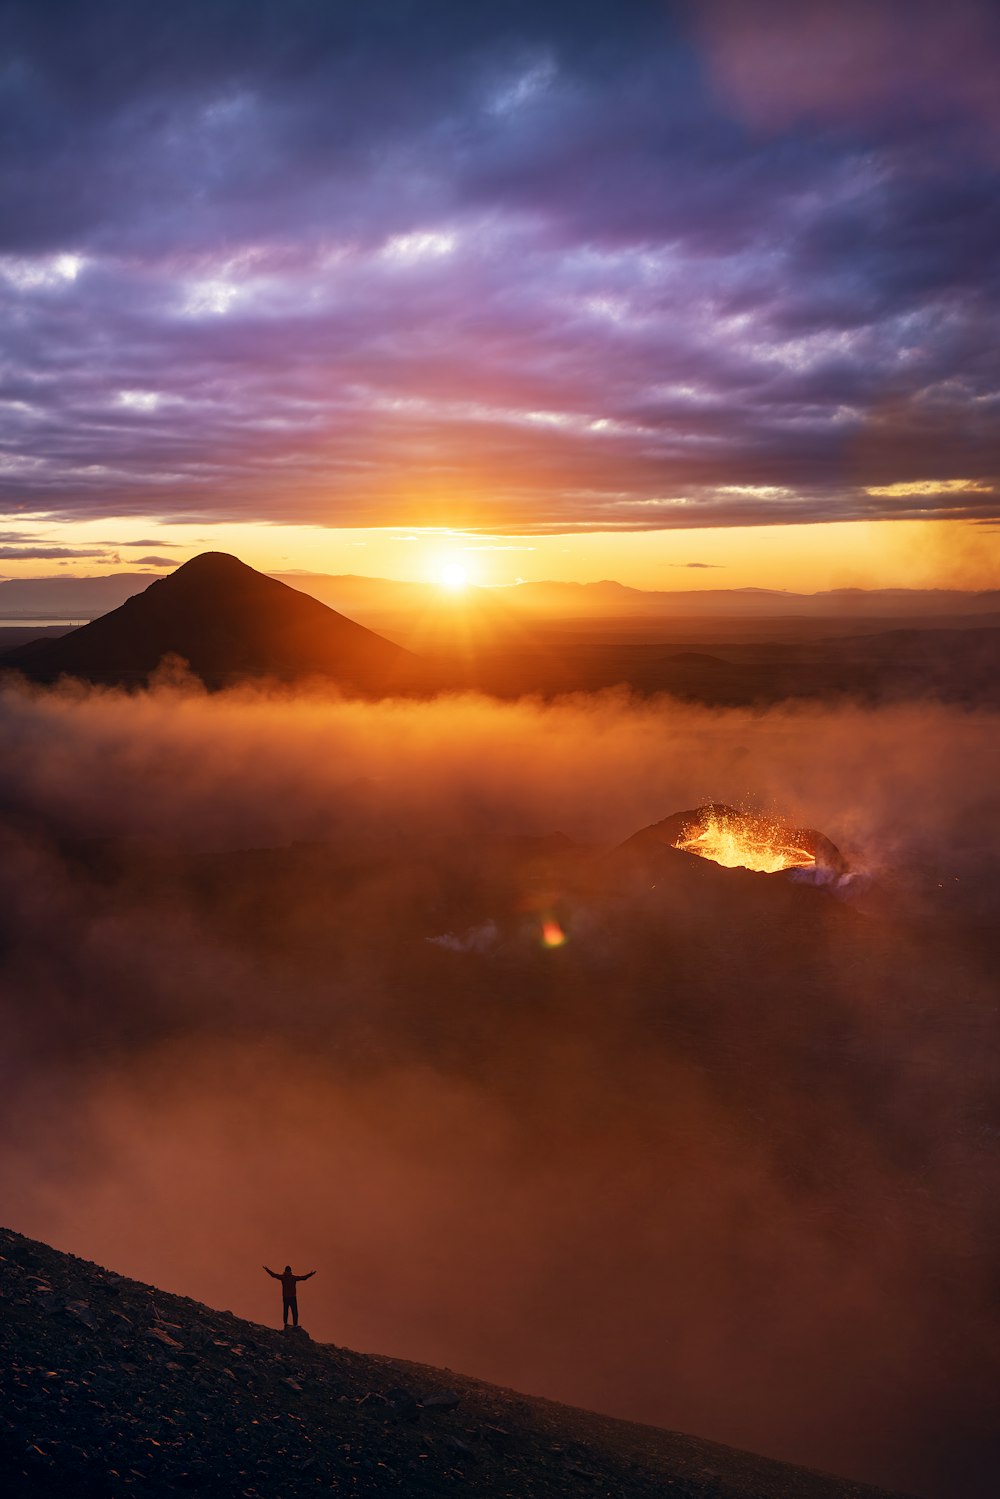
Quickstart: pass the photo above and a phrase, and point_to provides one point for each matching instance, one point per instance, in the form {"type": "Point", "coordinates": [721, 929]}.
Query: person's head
{"type": "Point", "coordinates": [288, 1270]}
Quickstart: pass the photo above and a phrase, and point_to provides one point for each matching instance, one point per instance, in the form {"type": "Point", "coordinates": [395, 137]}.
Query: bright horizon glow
{"type": "Point", "coordinates": [797, 558]}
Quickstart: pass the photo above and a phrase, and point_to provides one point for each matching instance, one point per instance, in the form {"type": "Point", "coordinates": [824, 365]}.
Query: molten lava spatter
{"type": "Point", "coordinates": [736, 839]}
{"type": "Point", "coordinates": [742, 841]}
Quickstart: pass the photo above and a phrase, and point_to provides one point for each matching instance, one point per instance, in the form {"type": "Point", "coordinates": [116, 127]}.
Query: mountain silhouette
{"type": "Point", "coordinates": [227, 621]}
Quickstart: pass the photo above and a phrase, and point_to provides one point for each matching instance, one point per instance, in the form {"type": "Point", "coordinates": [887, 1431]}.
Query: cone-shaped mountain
{"type": "Point", "coordinates": [226, 621]}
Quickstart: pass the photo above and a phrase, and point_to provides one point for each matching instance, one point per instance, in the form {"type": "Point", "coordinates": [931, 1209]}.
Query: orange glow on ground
{"type": "Point", "coordinates": [745, 843]}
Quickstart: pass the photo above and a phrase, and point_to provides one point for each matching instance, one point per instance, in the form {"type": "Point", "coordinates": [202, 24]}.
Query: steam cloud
{"type": "Point", "coordinates": [752, 1198]}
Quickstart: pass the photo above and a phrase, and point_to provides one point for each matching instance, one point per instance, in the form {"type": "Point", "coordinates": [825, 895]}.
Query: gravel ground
{"type": "Point", "coordinates": [111, 1387]}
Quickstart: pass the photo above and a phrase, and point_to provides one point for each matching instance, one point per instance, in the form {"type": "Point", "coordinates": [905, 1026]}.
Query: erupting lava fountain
{"type": "Point", "coordinates": [747, 840]}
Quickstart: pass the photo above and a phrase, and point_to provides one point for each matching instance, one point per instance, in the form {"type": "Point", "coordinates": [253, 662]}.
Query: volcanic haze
{"type": "Point", "coordinates": [274, 989]}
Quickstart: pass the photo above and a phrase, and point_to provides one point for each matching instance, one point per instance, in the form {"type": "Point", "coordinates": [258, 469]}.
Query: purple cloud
{"type": "Point", "coordinates": [47, 554]}
{"type": "Point", "coordinates": [155, 541]}
{"type": "Point", "coordinates": [523, 267]}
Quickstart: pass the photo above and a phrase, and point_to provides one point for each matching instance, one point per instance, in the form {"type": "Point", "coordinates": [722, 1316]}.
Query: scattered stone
{"type": "Point", "coordinates": [403, 1403]}
{"type": "Point", "coordinates": [82, 1312]}
{"type": "Point", "coordinates": [160, 1336]}
{"type": "Point", "coordinates": [441, 1400]}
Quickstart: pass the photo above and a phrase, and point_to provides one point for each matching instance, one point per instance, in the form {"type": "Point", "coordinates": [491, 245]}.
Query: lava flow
{"type": "Point", "coordinates": [739, 841]}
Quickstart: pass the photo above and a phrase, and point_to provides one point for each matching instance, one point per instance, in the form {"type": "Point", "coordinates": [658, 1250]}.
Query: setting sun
{"type": "Point", "coordinates": [453, 576]}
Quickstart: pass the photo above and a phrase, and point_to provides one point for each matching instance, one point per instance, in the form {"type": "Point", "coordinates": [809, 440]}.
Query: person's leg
{"type": "Point", "coordinates": [295, 1311]}
{"type": "Point", "coordinates": [285, 1308]}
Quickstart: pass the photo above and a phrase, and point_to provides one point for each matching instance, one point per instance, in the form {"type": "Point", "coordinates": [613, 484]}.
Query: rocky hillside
{"type": "Point", "coordinates": [112, 1387]}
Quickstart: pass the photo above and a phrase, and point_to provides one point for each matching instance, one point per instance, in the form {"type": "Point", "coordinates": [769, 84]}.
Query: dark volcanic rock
{"type": "Point", "coordinates": [441, 1400]}
{"type": "Point", "coordinates": [99, 1403]}
{"type": "Point", "coordinates": [226, 622]}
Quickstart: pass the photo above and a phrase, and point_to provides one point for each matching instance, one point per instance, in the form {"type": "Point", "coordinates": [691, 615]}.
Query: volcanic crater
{"type": "Point", "coordinates": [748, 840]}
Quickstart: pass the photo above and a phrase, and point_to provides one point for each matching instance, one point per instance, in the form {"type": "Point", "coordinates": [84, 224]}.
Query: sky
{"type": "Point", "coordinates": [695, 294]}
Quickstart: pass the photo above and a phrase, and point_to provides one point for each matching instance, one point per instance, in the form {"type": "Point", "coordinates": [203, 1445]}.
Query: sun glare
{"type": "Point", "coordinates": [453, 577]}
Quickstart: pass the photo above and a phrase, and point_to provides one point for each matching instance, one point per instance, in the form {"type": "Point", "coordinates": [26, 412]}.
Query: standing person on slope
{"type": "Point", "coordinates": [289, 1301]}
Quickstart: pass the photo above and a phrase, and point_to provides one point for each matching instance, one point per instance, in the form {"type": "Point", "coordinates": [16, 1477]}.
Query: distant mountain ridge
{"type": "Point", "coordinates": [388, 595]}
{"type": "Point", "coordinates": [70, 598]}
{"type": "Point", "coordinates": [230, 623]}
{"type": "Point", "coordinates": [85, 598]}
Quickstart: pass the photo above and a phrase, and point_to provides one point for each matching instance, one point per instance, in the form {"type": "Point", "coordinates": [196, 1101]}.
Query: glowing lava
{"type": "Point", "coordinates": [738, 841]}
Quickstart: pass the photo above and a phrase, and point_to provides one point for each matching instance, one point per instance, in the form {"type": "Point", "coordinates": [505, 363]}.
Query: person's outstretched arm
{"type": "Point", "coordinates": [306, 1277]}
{"type": "Point", "coordinates": [272, 1274]}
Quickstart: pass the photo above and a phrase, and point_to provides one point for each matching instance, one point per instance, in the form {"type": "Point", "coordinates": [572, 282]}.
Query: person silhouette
{"type": "Point", "coordinates": [289, 1301]}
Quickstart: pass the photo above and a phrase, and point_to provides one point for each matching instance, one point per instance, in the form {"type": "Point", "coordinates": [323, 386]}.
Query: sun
{"type": "Point", "coordinates": [453, 577]}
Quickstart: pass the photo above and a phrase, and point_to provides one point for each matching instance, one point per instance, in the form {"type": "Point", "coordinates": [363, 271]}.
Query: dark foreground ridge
{"type": "Point", "coordinates": [112, 1387]}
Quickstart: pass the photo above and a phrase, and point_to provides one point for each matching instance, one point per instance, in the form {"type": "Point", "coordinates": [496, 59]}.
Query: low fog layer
{"type": "Point", "coordinates": [725, 1160]}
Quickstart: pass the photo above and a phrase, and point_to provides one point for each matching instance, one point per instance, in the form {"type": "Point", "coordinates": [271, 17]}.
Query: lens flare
{"type": "Point", "coordinates": [552, 933]}
{"type": "Point", "coordinates": [745, 842]}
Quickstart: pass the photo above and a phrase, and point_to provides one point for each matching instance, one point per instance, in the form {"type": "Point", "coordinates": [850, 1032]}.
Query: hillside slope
{"type": "Point", "coordinates": [113, 1387]}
